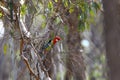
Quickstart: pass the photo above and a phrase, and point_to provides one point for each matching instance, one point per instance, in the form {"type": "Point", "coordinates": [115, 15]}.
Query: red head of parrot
{"type": "Point", "coordinates": [56, 39]}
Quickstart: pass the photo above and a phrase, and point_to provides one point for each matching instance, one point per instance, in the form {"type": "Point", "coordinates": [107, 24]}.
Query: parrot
{"type": "Point", "coordinates": [47, 46]}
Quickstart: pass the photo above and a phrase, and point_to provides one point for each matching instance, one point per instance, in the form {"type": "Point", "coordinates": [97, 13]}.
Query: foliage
{"type": "Point", "coordinates": [23, 10]}
{"type": "Point", "coordinates": [36, 22]}
{"type": "Point", "coordinates": [87, 11]}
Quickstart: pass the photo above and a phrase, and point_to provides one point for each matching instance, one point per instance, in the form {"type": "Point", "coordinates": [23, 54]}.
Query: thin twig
{"type": "Point", "coordinates": [37, 66]}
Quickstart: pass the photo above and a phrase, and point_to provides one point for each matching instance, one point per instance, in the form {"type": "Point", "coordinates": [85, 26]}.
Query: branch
{"type": "Point", "coordinates": [28, 65]}
{"type": "Point", "coordinates": [4, 10]}
{"type": "Point", "coordinates": [40, 61]}
{"type": "Point", "coordinates": [24, 29]}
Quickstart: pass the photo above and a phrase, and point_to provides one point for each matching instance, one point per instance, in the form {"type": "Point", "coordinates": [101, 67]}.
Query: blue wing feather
{"type": "Point", "coordinates": [47, 44]}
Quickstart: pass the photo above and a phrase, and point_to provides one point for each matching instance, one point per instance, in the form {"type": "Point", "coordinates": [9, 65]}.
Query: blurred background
{"type": "Point", "coordinates": [26, 25]}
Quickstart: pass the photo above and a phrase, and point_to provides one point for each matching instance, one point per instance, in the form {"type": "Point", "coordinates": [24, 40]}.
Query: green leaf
{"type": "Point", "coordinates": [66, 3]}
{"type": "Point", "coordinates": [87, 26]}
{"type": "Point", "coordinates": [23, 10]}
{"type": "Point", "coordinates": [81, 26]}
{"type": "Point", "coordinates": [43, 16]}
{"type": "Point", "coordinates": [96, 5]}
{"type": "Point", "coordinates": [50, 5]}
{"type": "Point", "coordinates": [1, 14]}
{"type": "Point", "coordinates": [57, 20]}
{"type": "Point", "coordinates": [5, 47]}
{"type": "Point", "coordinates": [71, 10]}
{"type": "Point", "coordinates": [43, 25]}
{"type": "Point", "coordinates": [56, 0]}
{"type": "Point", "coordinates": [92, 12]}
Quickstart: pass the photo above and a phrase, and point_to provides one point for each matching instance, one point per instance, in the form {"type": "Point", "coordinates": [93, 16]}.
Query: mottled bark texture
{"type": "Point", "coordinates": [112, 37]}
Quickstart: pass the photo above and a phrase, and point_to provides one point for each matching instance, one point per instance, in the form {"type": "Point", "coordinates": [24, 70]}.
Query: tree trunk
{"type": "Point", "coordinates": [74, 63]}
{"type": "Point", "coordinates": [112, 37]}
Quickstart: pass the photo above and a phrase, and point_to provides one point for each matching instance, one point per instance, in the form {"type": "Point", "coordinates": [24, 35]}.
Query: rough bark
{"type": "Point", "coordinates": [75, 63]}
{"type": "Point", "coordinates": [112, 37]}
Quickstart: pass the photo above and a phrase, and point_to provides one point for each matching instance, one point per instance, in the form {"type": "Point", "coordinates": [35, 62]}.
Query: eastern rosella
{"type": "Point", "coordinates": [47, 46]}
